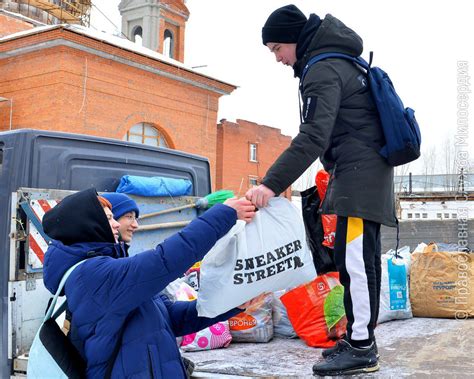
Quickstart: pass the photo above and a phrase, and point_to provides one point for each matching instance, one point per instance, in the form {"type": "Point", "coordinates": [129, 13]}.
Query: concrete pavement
{"type": "Point", "coordinates": [413, 348]}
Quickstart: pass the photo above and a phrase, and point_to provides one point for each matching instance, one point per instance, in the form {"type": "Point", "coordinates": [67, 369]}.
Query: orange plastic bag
{"type": "Point", "coordinates": [329, 221]}
{"type": "Point", "coordinates": [316, 310]}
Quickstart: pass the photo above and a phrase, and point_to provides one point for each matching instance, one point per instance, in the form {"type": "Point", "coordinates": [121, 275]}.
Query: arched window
{"type": "Point", "coordinates": [146, 134]}
{"type": "Point", "coordinates": [137, 35]}
{"type": "Point", "coordinates": [168, 45]}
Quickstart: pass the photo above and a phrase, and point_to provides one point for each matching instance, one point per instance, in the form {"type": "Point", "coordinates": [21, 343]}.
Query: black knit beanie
{"type": "Point", "coordinates": [284, 25]}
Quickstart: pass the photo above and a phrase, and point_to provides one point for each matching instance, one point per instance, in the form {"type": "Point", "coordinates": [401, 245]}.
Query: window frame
{"type": "Point", "coordinates": [253, 178]}
{"type": "Point", "coordinates": [137, 31]}
{"type": "Point", "coordinates": [161, 139]}
{"type": "Point", "coordinates": [168, 34]}
{"type": "Point", "coordinates": [255, 151]}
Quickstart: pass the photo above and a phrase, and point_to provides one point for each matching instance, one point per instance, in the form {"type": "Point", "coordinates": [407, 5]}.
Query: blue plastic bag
{"type": "Point", "coordinates": [154, 186]}
{"type": "Point", "coordinates": [397, 281]}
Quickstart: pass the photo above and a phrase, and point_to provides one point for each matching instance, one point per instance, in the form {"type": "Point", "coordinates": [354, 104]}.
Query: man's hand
{"type": "Point", "coordinates": [254, 303]}
{"type": "Point", "coordinates": [260, 195]}
{"type": "Point", "coordinates": [244, 208]}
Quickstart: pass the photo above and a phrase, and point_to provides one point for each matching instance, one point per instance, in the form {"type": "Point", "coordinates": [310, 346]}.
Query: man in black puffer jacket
{"type": "Point", "coordinates": [336, 97]}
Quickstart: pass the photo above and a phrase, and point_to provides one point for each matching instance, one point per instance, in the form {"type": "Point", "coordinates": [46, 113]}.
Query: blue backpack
{"type": "Point", "coordinates": [400, 128]}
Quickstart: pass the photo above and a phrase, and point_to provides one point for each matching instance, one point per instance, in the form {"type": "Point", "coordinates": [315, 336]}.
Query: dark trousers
{"type": "Point", "coordinates": [357, 252]}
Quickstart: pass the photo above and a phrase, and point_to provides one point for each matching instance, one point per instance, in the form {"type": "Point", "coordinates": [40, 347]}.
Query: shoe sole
{"type": "Point", "coordinates": [353, 371]}
{"type": "Point", "coordinates": [325, 356]}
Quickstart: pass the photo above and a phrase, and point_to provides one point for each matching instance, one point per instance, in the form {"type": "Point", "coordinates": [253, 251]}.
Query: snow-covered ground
{"type": "Point", "coordinates": [417, 348]}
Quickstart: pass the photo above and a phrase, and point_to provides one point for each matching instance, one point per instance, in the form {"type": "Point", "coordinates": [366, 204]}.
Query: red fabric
{"type": "Point", "coordinates": [329, 221]}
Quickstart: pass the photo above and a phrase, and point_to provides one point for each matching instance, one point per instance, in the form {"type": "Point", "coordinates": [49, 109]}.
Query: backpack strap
{"type": "Point", "coordinates": [354, 133]}
{"type": "Point", "coordinates": [52, 305]}
{"type": "Point", "coordinates": [63, 307]}
{"type": "Point", "coordinates": [360, 62]}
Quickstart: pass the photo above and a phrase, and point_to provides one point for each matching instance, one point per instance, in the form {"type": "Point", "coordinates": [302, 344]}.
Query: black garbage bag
{"type": "Point", "coordinates": [323, 257]}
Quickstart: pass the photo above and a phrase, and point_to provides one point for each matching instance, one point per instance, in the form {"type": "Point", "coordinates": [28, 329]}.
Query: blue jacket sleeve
{"type": "Point", "coordinates": [185, 319]}
{"type": "Point", "coordinates": [121, 285]}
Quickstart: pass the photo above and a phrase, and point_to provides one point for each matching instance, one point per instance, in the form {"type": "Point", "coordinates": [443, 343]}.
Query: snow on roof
{"type": "Point", "coordinates": [111, 39]}
{"type": "Point", "coordinates": [124, 44]}
{"type": "Point", "coordinates": [36, 30]}
{"type": "Point", "coordinates": [22, 17]}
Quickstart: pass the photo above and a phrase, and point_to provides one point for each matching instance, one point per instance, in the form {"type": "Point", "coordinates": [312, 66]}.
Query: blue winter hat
{"type": "Point", "coordinates": [121, 204]}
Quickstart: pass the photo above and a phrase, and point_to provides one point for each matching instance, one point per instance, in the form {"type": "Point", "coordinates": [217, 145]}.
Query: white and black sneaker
{"type": "Point", "coordinates": [330, 351]}
{"type": "Point", "coordinates": [348, 360]}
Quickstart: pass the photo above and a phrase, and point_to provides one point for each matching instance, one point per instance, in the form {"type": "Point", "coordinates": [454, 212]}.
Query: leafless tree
{"type": "Point", "coordinates": [401, 172]}
{"type": "Point", "coordinates": [449, 164]}
{"type": "Point", "coordinates": [429, 167]}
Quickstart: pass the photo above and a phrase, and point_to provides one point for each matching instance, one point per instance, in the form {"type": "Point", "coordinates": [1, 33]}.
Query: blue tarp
{"type": "Point", "coordinates": [154, 186]}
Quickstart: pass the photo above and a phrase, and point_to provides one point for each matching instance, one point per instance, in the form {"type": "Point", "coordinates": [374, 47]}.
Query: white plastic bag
{"type": "Point", "coordinates": [266, 255]}
{"type": "Point", "coordinates": [179, 290]}
{"type": "Point", "coordinates": [394, 292]}
{"type": "Point", "coordinates": [281, 323]}
{"type": "Point", "coordinates": [405, 253]}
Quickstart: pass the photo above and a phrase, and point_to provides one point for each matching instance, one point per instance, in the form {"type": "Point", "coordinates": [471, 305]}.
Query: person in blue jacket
{"type": "Point", "coordinates": [126, 213]}
{"type": "Point", "coordinates": [111, 292]}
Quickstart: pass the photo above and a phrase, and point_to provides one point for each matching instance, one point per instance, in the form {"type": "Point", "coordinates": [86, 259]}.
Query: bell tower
{"type": "Point", "coordinates": [156, 24]}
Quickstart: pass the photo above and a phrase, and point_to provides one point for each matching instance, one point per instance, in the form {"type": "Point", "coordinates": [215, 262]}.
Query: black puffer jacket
{"type": "Point", "coordinates": [335, 95]}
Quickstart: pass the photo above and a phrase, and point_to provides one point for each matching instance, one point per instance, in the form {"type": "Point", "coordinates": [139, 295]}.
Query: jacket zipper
{"type": "Point", "coordinates": [150, 361]}
{"type": "Point", "coordinates": [333, 174]}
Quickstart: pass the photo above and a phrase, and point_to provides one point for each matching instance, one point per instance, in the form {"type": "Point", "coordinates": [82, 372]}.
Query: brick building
{"type": "Point", "coordinates": [245, 151]}
{"type": "Point", "coordinates": [141, 19]}
{"type": "Point", "coordinates": [51, 11]}
{"type": "Point", "coordinates": [11, 22]}
{"type": "Point", "coordinates": [72, 79]}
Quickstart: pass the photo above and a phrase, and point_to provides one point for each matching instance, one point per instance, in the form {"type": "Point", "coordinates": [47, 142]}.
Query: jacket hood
{"type": "Point", "coordinates": [59, 258]}
{"type": "Point", "coordinates": [330, 36]}
{"type": "Point", "coordinates": [78, 218]}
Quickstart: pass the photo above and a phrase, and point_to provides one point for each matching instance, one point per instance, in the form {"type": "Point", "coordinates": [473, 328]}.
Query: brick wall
{"type": "Point", "coordinates": [234, 168]}
{"type": "Point", "coordinates": [176, 25]}
{"type": "Point", "coordinates": [80, 90]}
{"type": "Point", "coordinates": [10, 25]}
{"type": "Point", "coordinates": [65, 89]}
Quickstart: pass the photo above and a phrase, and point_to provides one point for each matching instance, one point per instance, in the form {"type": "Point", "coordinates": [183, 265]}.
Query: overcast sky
{"type": "Point", "coordinates": [418, 43]}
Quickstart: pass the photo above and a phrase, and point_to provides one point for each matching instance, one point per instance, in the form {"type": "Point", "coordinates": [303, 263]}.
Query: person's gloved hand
{"type": "Point", "coordinates": [260, 195]}
{"type": "Point", "coordinates": [244, 208]}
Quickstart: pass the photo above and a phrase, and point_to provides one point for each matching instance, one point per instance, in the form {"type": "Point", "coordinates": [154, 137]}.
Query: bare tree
{"type": "Point", "coordinates": [401, 172]}
{"type": "Point", "coordinates": [449, 164]}
{"type": "Point", "coordinates": [429, 167]}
